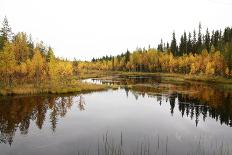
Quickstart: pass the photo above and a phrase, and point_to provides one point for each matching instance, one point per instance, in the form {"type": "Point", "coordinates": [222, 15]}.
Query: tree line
{"type": "Point", "coordinates": [24, 61]}
{"type": "Point", "coordinates": [209, 53]}
{"type": "Point", "coordinates": [195, 43]}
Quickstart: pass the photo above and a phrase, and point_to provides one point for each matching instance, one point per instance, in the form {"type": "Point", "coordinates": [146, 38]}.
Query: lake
{"type": "Point", "coordinates": [143, 116]}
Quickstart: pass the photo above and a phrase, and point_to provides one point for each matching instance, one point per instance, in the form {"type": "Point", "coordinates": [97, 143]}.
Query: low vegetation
{"type": "Point", "coordinates": [53, 89]}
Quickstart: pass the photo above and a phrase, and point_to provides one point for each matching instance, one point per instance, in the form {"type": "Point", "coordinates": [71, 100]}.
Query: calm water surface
{"type": "Point", "coordinates": [149, 118]}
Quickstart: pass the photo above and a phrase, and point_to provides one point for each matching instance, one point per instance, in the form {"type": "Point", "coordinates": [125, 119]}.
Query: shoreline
{"type": "Point", "coordinates": [168, 76]}
{"type": "Point", "coordinates": [81, 87]}
{"type": "Point", "coordinates": [30, 89]}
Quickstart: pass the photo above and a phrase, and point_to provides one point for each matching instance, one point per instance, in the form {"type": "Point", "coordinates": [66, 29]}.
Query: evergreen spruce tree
{"type": "Point", "coordinates": [199, 40]}
{"type": "Point", "coordinates": [189, 44]}
{"type": "Point", "coordinates": [6, 34]}
{"type": "Point", "coordinates": [185, 43]}
{"type": "Point", "coordinates": [181, 45]}
{"type": "Point", "coordinates": [174, 47]}
{"type": "Point", "coordinates": [160, 46]}
{"type": "Point", "coordinates": [194, 42]}
{"type": "Point", "coordinates": [207, 40]}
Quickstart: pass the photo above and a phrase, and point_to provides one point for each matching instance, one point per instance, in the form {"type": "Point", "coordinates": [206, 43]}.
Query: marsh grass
{"type": "Point", "coordinates": [223, 86]}
{"type": "Point", "coordinates": [154, 145]}
{"type": "Point", "coordinates": [52, 88]}
{"type": "Point", "coordinates": [171, 77]}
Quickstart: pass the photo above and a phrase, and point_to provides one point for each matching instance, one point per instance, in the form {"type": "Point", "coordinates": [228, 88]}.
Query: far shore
{"type": "Point", "coordinates": [78, 86]}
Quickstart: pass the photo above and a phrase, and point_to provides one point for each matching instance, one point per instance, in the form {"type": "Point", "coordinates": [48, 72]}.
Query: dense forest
{"type": "Point", "coordinates": [24, 61]}
{"type": "Point", "coordinates": [200, 54]}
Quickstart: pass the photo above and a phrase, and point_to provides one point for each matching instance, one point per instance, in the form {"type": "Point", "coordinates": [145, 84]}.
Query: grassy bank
{"type": "Point", "coordinates": [51, 89]}
{"type": "Point", "coordinates": [172, 77]}
{"type": "Point", "coordinates": [182, 77]}
{"type": "Point", "coordinates": [75, 85]}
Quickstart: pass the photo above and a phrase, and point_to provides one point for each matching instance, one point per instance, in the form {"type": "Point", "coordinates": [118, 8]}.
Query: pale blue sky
{"type": "Point", "coordinates": [93, 28]}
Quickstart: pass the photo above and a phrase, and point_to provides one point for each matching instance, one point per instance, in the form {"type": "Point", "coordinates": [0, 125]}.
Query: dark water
{"type": "Point", "coordinates": [149, 117]}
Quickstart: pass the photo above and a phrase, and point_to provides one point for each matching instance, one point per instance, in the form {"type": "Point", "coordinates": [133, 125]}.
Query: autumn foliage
{"type": "Point", "coordinates": [151, 60]}
{"type": "Point", "coordinates": [23, 61]}
{"type": "Point", "coordinates": [203, 54]}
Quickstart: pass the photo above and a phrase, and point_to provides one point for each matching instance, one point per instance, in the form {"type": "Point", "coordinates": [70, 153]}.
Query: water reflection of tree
{"type": "Point", "coordinates": [16, 113]}
{"type": "Point", "coordinates": [81, 104]}
{"type": "Point", "coordinates": [193, 100]}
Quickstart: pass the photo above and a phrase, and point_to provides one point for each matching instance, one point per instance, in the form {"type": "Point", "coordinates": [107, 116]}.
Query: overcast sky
{"type": "Point", "coordinates": [93, 28]}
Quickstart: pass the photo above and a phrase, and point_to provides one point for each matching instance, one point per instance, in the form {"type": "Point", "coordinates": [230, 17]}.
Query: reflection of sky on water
{"type": "Point", "coordinates": [69, 124]}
